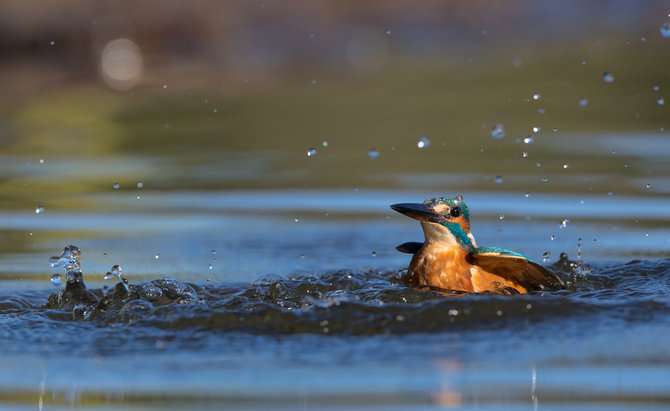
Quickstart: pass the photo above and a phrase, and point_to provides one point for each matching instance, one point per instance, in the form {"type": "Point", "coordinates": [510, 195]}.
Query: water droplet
{"type": "Point", "coordinates": [388, 32]}
{"type": "Point", "coordinates": [528, 140]}
{"type": "Point", "coordinates": [41, 161]}
{"type": "Point", "coordinates": [665, 30]}
{"type": "Point", "coordinates": [373, 153]}
{"type": "Point", "coordinates": [540, 111]}
{"type": "Point", "coordinates": [51, 43]}
{"type": "Point", "coordinates": [39, 209]}
{"type": "Point", "coordinates": [374, 254]}
{"type": "Point", "coordinates": [165, 85]}
{"type": "Point", "coordinates": [498, 179]}
{"type": "Point", "coordinates": [517, 62]}
{"type": "Point", "coordinates": [211, 267]}
{"type": "Point", "coordinates": [566, 165]}
{"type": "Point", "coordinates": [546, 256]}
{"type": "Point", "coordinates": [302, 256]}
{"type": "Point", "coordinates": [311, 152]}
{"type": "Point", "coordinates": [583, 102]}
{"type": "Point", "coordinates": [313, 82]}
{"type": "Point", "coordinates": [536, 129]}
{"type": "Point", "coordinates": [536, 96]}
{"type": "Point", "coordinates": [656, 88]}
{"type": "Point", "coordinates": [498, 131]}
{"type": "Point", "coordinates": [108, 276]}
{"type": "Point", "coordinates": [116, 270]}
{"type": "Point", "coordinates": [524, 154]}
{"type": "Point", "coordinates": [56, 280]}
{"type": "Point", "coordinates": [660, 101]}
{"type": "Point", "coordinates": [54, 261]}
{"type": "Point", "coordinates": [312, 35]}
{"type": "Point", "coordinates": [564, 223]}
{"type": "Point", "coordinates": [545, 179]}
{"type": "Point", "coordinates": [325, 143]}
{"type": "Point", "coordinates": [423, 142]}
{"type": "Point", "coordinates": [648, 186]}
{"type": "Point", "coordinates": [157, 256]}
{"type": "Point", "coordinates": [608, 77]}
{"type": "Point", "coordinates": [527, 195]}
{"type": "Point", "coordinates": [215, 110]}
{"type": "Point", "coordinates": [555, 129]}
{"type": "Point", "coordinates": [116, 186]}
{"type": "Point", "coordinates": [553, 237]}
{"type": "Point", "coordinates": [502, 216]}
{"type": "Point", "coordinates": [538, 164]}
{"type": "Point", "coordinates": [140, 184]}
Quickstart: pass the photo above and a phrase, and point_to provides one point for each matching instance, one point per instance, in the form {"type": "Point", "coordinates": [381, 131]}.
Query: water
{"type": "Point", "coordinates": [374, 342]}
{"type": "Point", "coordinates": [252, 332]}
{"type": "Point", "coordinates": [259, 276]}
{"type": "Point", "coordinates": [498, 131]}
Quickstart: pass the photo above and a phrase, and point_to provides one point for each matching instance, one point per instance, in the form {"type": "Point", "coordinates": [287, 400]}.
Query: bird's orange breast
{"type": "Point", "coordinates": [448, 268]}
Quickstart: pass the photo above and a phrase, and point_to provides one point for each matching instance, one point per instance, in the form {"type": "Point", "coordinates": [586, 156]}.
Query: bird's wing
{"type": "Point", "coordinates": [410, 247]}
{"type": "Point", "coordinates": [515, 267]}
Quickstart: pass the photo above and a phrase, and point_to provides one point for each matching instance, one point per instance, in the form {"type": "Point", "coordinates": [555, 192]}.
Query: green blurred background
{"type": "Point", "coordinates": [232, 95]}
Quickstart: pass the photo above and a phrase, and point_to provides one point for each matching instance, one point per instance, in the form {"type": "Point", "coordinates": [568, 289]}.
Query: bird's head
{"type": "Point", "coordinates": [444, 220]}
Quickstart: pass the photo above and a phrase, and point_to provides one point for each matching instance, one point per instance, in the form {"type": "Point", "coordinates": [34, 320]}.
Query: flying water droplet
{"type": "Point", "coordinates": [656, 88]}
{"type": "Point", "coordinates": [527, 195]}
{"type": "Point", "coordinates": [536, 129]}
{"type": "Point", "coordinates": [608, 77]}
{"type": "Point", "coordinates": [56, 280]}
{"type": "Point", "coordinates": [540, 110]}
{"type": "Point", "coordinates": [498, 131]}
{"type": "Point", "coordinates": [553, 237]}
{"type": "Point", "coordinates": [211, 267]}
{"type": "Point", "coordinates": [51, 43]}
{"type": "Point", "coordinates": [140, 184]}
{"type": "Point", "coordinates": [583, 102]}
{"type": "Point", "coordinates": [54, 261]}
{"type": "Point", "coordinates": [325, 143]}
{"type": "Point", "coordinates": [39, 209]}
{"type": "Point", "coordinates": [665, 30]}
{"type": "Point", "coordinates": [157, 256]}
{"type": "Point", "coordinates": [165, 85]}
{"type": "Point", "coordinates": [528, 140]}
{"type": "Point", "coordinates": [498, 179]}
{"type": "Point", "coordinates": [545, 179]}
{"type": "Point", "coordinates": [116, 186]}
{"type": "Point", "coordinates": [311, 152]}
{"type": "Point", "coordinates": [502, 216]}
{"type": "Point", "coordinates": [648, 186]}
{"type": "Point", "coordinates": [536, 96]}
{"type": "Point", "coordinates": [546, 257]}
{"type": "Point", "coordinates": [660, 101]}
{"type": "Point", "coordinates": [373, 153]}
{"type": "Point", "coordinates": [566, 165]}
{"type": "Point", "coordinates": [564, 223]}
{"type": "Point", "coordinates": [388, 32]}
{"type": "Point", "coordinates": [374, 254]}
{"type": "Point", "coordinates": [524, 154]}
{"type": "Point", "coordinates": [423, 142]}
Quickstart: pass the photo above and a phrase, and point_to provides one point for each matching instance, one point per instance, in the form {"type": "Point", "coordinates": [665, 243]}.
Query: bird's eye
{"type": "Point", "coordinates": [455, 212]}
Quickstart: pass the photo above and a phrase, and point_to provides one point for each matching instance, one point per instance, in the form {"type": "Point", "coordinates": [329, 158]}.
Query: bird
{"type": "Point", "coordinates": [450, 260]}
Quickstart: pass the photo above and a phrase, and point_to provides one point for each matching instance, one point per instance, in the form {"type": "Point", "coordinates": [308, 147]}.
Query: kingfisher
{"type": "Point", "coordinates": [449, 258]}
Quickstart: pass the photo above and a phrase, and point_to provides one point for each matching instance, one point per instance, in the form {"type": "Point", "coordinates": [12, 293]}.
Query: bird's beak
{"type": "Point", "coordinates": [420, 212]}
